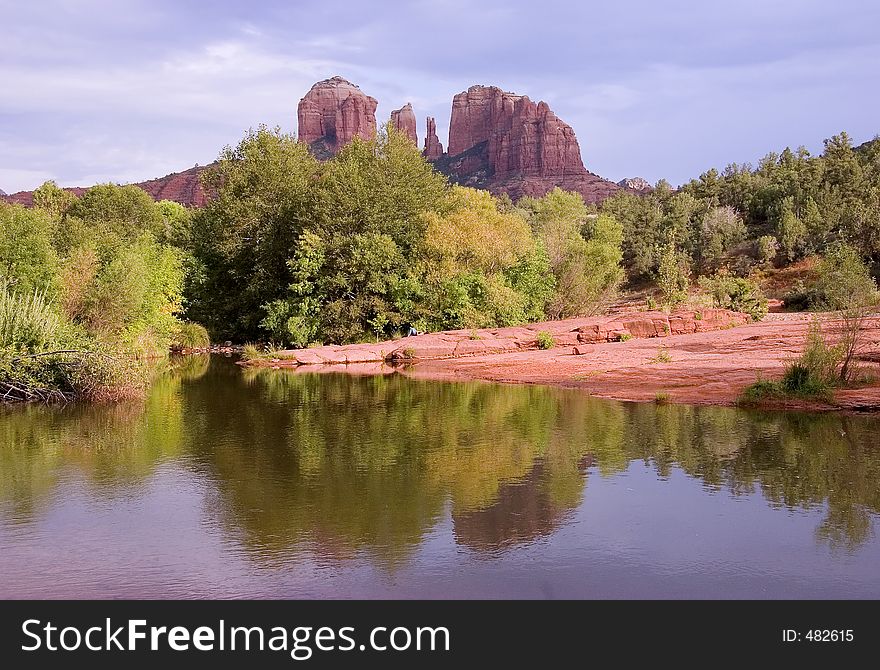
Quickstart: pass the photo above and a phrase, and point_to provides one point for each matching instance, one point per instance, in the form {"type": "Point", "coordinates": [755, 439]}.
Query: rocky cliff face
{"type": "Point", "coordinates": [433, 148]}
{"type": "Point", "coordinates": [499, 141]}
{"type": "Point", "coordinates": [334, 112]}
{"type": "Point", "coordinates": [637, 184]}
{"type": "Point", "coordinates": [404, 121]}
{"type": "Point", "coordinates": [509, 144]}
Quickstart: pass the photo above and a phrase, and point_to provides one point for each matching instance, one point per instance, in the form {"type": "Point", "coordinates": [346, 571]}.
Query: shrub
{"type": "Point", "coordinates": [251, 352]}
{"type": "Point", "coordinates": [662, 356]}
{"type": "Point", "coordinates": [662, 398]}
{"type": "Point", "coordinates": [27, 322]}
{"type": "Point", "coordinates": [737, 294]}
{"type": "Point", "coordinates": [673, 277]}
{"type": "Point", "coordinates": [844, 281]}
{"type": "Point", "coordinates": [761, 390]}
{"type": "Point", "coordinates": [190, 336]}
{"type": "Point", "coordinates": [767, 247]}
{"type": "Point", "coordinates": [624, 337]}
{"type": "Point", "coordinates": [545, 340]}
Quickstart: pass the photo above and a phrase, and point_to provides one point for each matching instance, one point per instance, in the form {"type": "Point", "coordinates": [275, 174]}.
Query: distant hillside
{"type": "Point", "coordinates": [183, 187]}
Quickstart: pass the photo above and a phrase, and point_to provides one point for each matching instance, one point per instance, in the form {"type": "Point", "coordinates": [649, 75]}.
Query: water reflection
{"type": "Point", "coordinates": [344, 466]}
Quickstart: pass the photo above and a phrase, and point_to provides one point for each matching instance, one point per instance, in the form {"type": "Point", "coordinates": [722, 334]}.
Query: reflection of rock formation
{"type": "Point", "coordinates": [523, 512]}
{"type": "Point", "coordinates": [365, 468]}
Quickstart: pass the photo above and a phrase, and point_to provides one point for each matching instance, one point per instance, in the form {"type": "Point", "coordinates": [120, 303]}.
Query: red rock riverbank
{"type": "Point", "coordinates": [683, 358]}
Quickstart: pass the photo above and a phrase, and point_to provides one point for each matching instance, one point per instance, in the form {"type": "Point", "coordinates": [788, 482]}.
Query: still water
{"type": "Point", "coordinates": [260, 483]}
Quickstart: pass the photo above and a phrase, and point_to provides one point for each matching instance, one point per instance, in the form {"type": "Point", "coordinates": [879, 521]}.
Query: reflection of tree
{"type": "Point", "coordinates": [370, 464]}
{"type": "Point", "coordinates": [111, 445]}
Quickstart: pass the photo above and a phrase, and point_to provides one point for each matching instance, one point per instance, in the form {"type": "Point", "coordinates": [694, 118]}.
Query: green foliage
{"type": "Point", "coordinates": [790, 230]}
{"type": "Point", "coordinates": [844, 281]}
{"type": "Point", "coordinates": [736, 293]}
{"type": "Point", "coordinates": [121, 212]}
{"type": "Point", "coordinates": [584, 252]}
{"type": "Point", "coordinates": [768, 247]}
{"type": "Point", "coordinates": [808, 203]}
{"type": "Point", "coordinates": [721, 230]}
{"type": "Point", "coordinates": [88, 285]}
{"type": "Point", "coordinates": [624, 337]}
{"type": "Point", "coordinates": [545, 340]}
{"type": "Point", "coordinates": [673, 277]}
{"type": "Point", "coordinates": [28, 262]}
{"type": "Point", "coordinates": [190, 336]}
{"type": "Point", "coordinates": [28, 324]}
{"type": "Point", "coordinates": [242, 240]}
{"type": "Point", "coordinates": [662, 356]}
{"type": "Point", "coordinates": [53, 200]}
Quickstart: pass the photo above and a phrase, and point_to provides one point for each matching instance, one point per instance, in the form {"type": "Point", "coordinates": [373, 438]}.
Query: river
{"type": "Point", "coordinates": [243, 483]}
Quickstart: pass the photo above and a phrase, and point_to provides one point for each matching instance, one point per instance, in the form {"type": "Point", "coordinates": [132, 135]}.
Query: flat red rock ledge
{"type": "Point", "coordinates": [679, 357]}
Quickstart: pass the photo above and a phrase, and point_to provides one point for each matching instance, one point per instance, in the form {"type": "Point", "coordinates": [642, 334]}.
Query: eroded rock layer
{"type": "Point", "coordinates": [404, 121]}
{"type": "Point", "coordinates": [332, 113]}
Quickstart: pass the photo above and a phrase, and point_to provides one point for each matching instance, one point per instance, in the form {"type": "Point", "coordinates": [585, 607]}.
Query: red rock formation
{"type": "Point", "coordinates": [433, 148]}
{"type": "Point", "coordinates": [404, 121]}
{"type": "Point", "coordinates": [637, 184]}
{"type": "Point", "coordinates": [183, 187]}
{"type": "Point", "coordinates": [332, 113]}
{"type": "Point", "coordinates": [507, 143]}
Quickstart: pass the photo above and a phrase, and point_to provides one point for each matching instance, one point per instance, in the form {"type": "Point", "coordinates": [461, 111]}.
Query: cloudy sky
{"type": "Point", "coordinates": [101, 90]}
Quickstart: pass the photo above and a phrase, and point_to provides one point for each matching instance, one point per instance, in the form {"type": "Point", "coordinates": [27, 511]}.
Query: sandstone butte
{"type": "Point", "coordinates": [404, 121]}
{"type": "Point", "coordinates": [334, 112]}
{"type": "Point", "coordinates": [498, 141]}
{"type": "Point", "coordinates": [700, 358]}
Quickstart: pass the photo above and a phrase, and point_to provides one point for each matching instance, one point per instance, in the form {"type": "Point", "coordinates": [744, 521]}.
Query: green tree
{"type": "Point", "coordinates": [28, 262]}
{"type": "Point", "coordinates": [673, 276]}
{"type": "Point", "coordinates": [790, 230]}
{"type": "Point", "coordinates": [265, 195]}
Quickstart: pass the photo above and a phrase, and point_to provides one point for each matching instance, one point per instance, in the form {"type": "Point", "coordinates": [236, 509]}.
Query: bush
{"type": "Point", "coordinates": [662, 356]}
{"type": "Point", "coordinates": [28, 324]}
{"type": "Point", "coordinates": [844, 281]}
{"type": "Point", "coordinates": [673, 277]}
{"type": "Point", "coordinates": [190, 336]}
{"type": "Point", "coordinates": [545, 340]}
{"type": "Point", "coordinates": [737, 294]}
{"type": "Point", "coordinates": [767, 247]}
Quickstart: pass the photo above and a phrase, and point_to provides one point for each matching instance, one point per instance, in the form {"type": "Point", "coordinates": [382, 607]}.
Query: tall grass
{"type": "Point", "coordinates": [44, 357]}
{"type": "Point", "coordinates": [28, 323]}
{"type": "Point", "coordinates": [190, 336]}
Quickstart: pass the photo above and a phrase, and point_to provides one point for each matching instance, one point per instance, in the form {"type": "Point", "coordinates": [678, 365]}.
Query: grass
{"type": "Point", "coordinates": [662, 356]}
{"type": "Point", "coordinates": [190, 336]}
{"type": "Point", "coordinates": [27, 322]}
{"type": "Point", "coordinates": [545, 340]}
{"type": "Point", "coordinates": [662, 398]}
{"type": "Point", "coordinates": [474, 335]}
{"type": "Point", "coordinates": [810, 376]}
